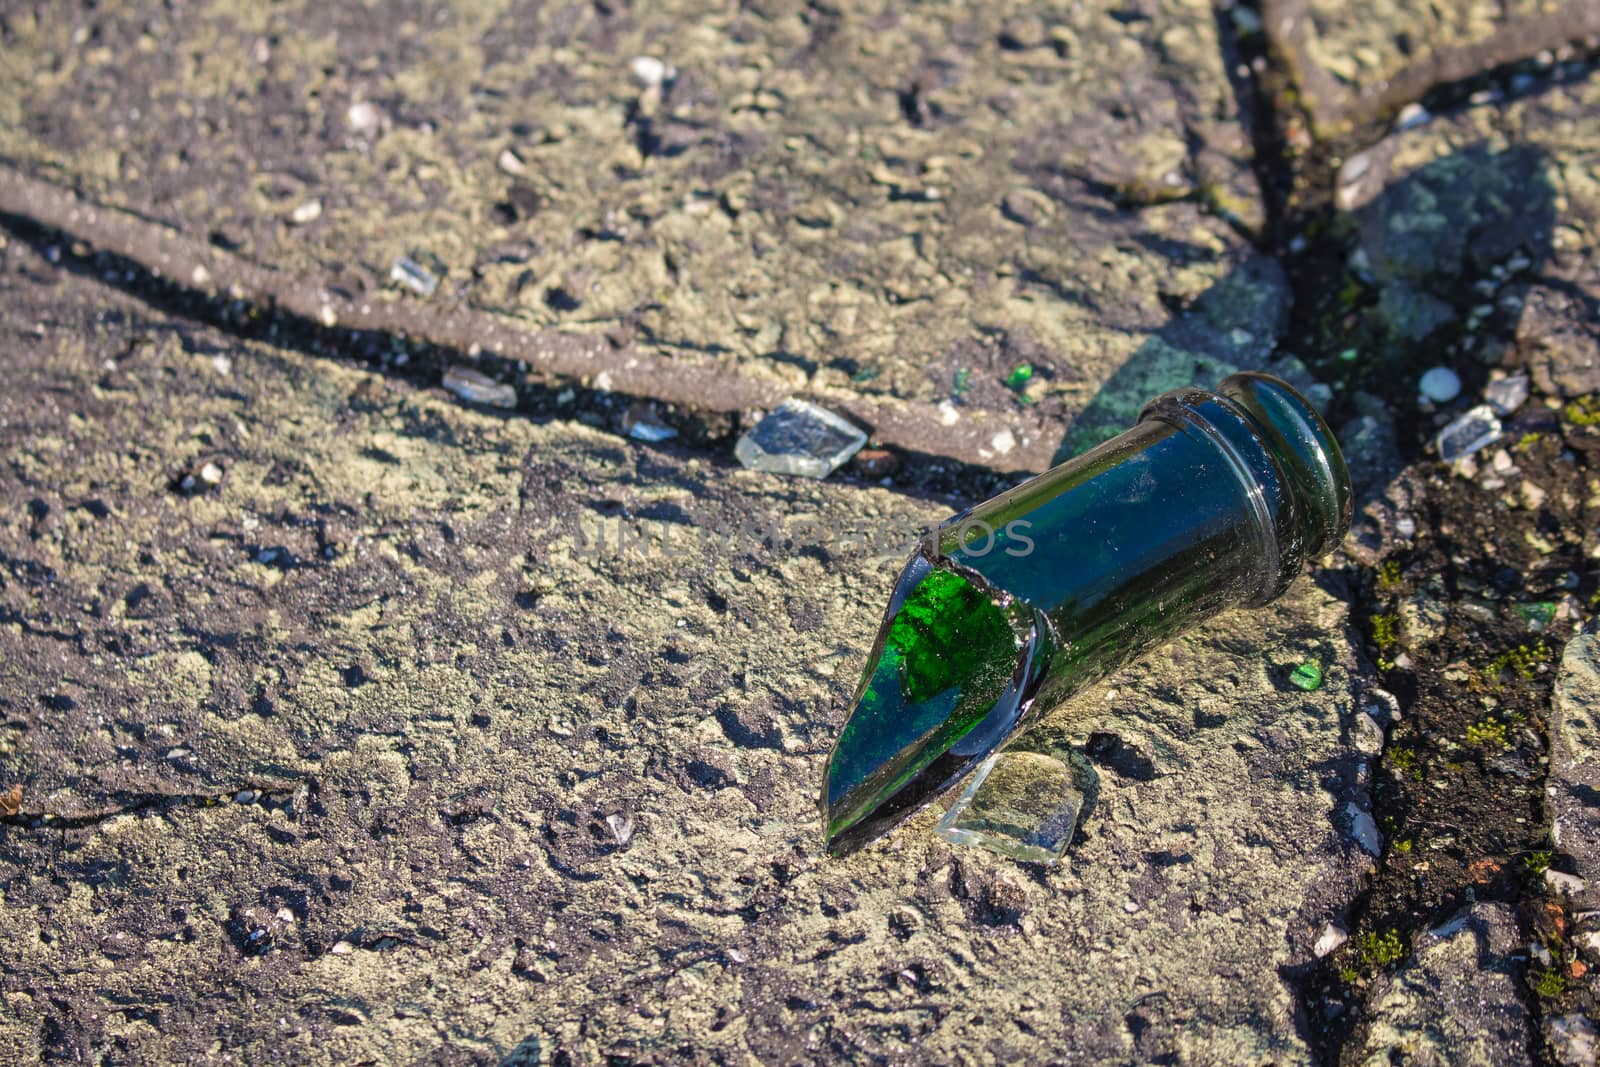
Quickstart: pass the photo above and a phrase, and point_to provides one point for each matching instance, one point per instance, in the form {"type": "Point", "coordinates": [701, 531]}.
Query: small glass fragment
{"type": "Point", "coordinates": [412, 275]}
{"type": "Point", "coordinates": [1440, 385]}
{"type": "Point", "coordinates": [651, 432]}
{"type": "Point", "coordinates": [1467, 433]}
{"type": "Point", "coordinates": [1020, 376]}
{"type": "Point", "coordinates": [1020, 804]}
{"type": "Point", "coordinates": [1536, 615]}
{"type": "Point", "coordinates": [1307, 676]}
{"type": "Point", "coordinates": [643, 422]}
{"type": "Point", "coordinates": [961, 381]}
{"type": "Point", "coordinates": [477, 388]}
{"type": "Point", "coordinates": [1507, 394]}
{"type": "Point", "coordinates": [799, 438]}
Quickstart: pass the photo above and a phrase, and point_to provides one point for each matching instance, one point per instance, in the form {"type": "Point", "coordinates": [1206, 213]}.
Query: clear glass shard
{"type": "Point", "coordinates": [799, 438]}
{"type": "Point", "coordinates": [1468, 432]}
{"type": "Point", "coordinates": [478, 388]}
{"type": "Point", "coordinates": [412, 275]}
{"type": "Point", "coordinates": [1507, 394]}
{"type": "Point", "coordinates": [1021, 804]}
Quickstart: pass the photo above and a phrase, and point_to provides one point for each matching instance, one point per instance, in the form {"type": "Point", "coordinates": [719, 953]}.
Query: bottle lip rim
{"type": "Point", "coordinates": [1304, 457]}
{"type": "Point", "coordinates": [1324, 462]}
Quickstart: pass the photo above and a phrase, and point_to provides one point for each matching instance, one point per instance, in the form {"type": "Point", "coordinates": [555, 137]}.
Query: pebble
{"type": "Point", "coordinates": [1364, 830]}
{"type": "Point", "coordinates": [1383, 705]}
{"type": "Point", "coordinates": [310, 211]}
{"type": "Point", "coordinates": [363, 117]}
{"type": "Point", "coordinates": [1329, 940]}
{"type": "Point", "coordinates": [211, 474]}
{"type": "Point", "coordinates": [1467, 433]}
{"type": "Point", "coordinates": [1562, 884]}
{"type": "Point", "coordinates": [1440, 385]}
{"type": "Point", "coordinates": [511, 163]}
{"type": "Point", "coordinates": [649, 71]}
{"type": "Point", "coordinates": [1572, 1038]}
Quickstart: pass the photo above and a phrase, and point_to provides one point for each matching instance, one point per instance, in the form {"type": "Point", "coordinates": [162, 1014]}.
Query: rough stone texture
{"type": "Point", "coordinates": [1574, 784]}
{"type": "Point", "coordinates": [362, 754]}
{"type": "Point", "coordinates": [1456, 1001]}
{"type": "Point", "coordinates": [820, 193]}
{"type": "Point", "coordinates": [371, 752]}
{"type": "Point", "coordinates": [1362, 45]}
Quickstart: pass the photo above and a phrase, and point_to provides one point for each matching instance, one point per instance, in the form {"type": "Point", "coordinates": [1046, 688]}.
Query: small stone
{"type": "Point", "coordinates": [1573, 1040]}
{"type": "Point", "coordinates": [1533, 497]}
{"type": "Point", "coordinates": [1329, 940]}
{"type": "Point", "coordinates": [510, 162]}
{"type": "Point", "coordinates": [799, 438]}
{"type": "Point", "coordinates": [1410, 116]}
{"type": "Point", "coordinates": [1507, 394]}
{"type": "Point", "coordinates": [1025, 207]}
{"type": "Point", "coordinates": [1307, 676]}
{"type": "Point", "coordinates": [477, 388]}
{"type": "Point", "coordinates": [877, 462]}
{"type": "Point", "coordinates": [1364, 830]}
{"type": "Point", "coordinates": [1467, 433]}
{"type": "Point", "coordinates": [310, 211]}
{"type": "Point", "coordinates": [649, 71]}
{"type": "Point", "coordinates": [1440, 385]}
{"type": "Point", "coordinates": [245, 796]}
{"type": "Point", "coordinates": [211, 474]}
{"type": "Point", "coordinates": [363, 117]}
{"type": "Point", "coordinates": [1562, 884]}
{"type": "Point", "coordinates": [1383, 706]}
{"type": "Point", "coordinates": [412, 275]}
{"type": "Point", "coordinates": [342, 948]}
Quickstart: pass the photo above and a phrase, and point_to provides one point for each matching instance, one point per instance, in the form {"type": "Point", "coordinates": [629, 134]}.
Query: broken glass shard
{"type": "Point", "coordinates": [1507, 394]}
{"type": "Point", "coordinates": [1020, 804]}
{"type": "Point", "coordinates": [477, 388]}
{"type": "Point", "coordinates": [412, 275]}
{"type": "Point", "coordinates": [1307, 676]}
{"type": "Point", "coordinates": [799, 438]}
{"type": "Point", "coordinates": [1467, 433]}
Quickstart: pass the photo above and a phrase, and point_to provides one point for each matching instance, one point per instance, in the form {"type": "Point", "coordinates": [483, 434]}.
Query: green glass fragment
{"type": "Point", "coordinates": [1213, 500]}
{"type": "Point", "coordinates": [961, 381]}
{"type": "Point", "coordinates": [1537, 614]}
{"type": "Point", "coordinates": [943, 661]}
{"type": "Point", "coordinates": [865, 374]}
{"type": "Point", "coordinates": [1020, 376]}
{"type": "Point", "coordinates": [1307, 676]}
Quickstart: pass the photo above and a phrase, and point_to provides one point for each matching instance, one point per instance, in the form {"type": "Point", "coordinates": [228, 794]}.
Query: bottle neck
{"type": "Point", "coordinates": [1285, 462]}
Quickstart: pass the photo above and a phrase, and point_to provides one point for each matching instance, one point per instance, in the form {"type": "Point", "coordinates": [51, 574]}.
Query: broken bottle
{"type": "Point", "coordinates": [1211, 501]}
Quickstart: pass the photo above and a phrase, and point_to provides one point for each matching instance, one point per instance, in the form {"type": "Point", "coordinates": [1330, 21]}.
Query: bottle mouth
{"type": "Point", "coordinates": [1285, 461]}
{"type": "Point", "coordinates": [1306, 451]}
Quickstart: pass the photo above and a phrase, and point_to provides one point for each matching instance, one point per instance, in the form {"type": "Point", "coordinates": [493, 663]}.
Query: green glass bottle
{"type": "Point", "coordinates": [1211, 501]}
